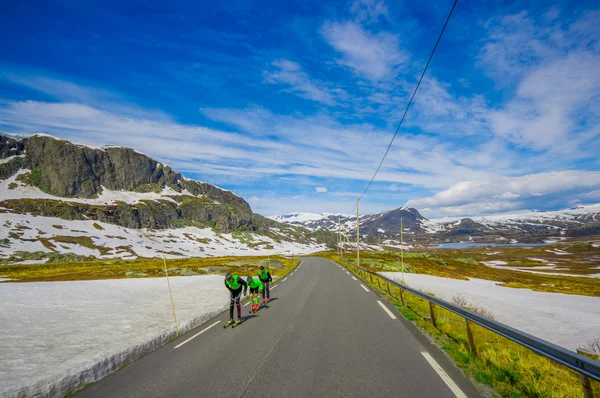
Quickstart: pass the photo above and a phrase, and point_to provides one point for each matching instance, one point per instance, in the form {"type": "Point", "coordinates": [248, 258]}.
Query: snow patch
{"type": "Point", "coordinates": [563, 319]}
{"type": "Point", "coordinates": [8, 159]}
{"type": "Point", "coordinates": [58, 336]}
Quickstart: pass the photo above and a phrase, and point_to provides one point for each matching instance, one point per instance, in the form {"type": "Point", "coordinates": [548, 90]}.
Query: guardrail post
{"type": "Point", "coordinates": [402, 297]}
{"type": "Point", "coordinates": [586, 384]}
{"type": "Point", "coordinates": [388, 287]}
{"type": "Point", "coordinates": [472, 345]}
{"type": "Point", "coordinates": [379, 281]}
{"type": "Point", "coordinates": [371, 277]}
{"type": "Point", "coordinates": [432, 312]}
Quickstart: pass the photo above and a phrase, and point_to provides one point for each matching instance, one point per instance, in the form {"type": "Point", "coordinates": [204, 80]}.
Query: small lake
{"type": "Point", "coordinates": [463, 245]}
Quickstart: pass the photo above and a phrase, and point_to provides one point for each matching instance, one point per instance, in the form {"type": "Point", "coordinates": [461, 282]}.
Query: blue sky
{"type": "Point", "coordinates": [291, 104]}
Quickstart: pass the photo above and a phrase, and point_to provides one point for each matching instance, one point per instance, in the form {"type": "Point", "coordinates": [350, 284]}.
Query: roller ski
{"type": "Point", "coordinates": [229, 323]}
{"type": "Point", "coordinates": [237, 323]}
{"type": "Point", "coordinates": [255, 286]}
{"type": "Point", "coordinates": [237, 287]}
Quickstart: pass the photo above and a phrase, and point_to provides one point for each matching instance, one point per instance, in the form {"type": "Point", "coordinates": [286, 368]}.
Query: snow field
{"type": "Point", "coordinates": [145, 243]}
{"type": "Point", "coordinates": [58, 336]}
{"type": "Point", "coordinates": [563, 319]}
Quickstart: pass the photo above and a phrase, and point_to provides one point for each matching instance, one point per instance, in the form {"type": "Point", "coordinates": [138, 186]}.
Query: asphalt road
{"type": "Point", "coordinates": [323, 335]}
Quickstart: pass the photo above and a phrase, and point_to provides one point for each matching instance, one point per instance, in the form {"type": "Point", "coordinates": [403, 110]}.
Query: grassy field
{"type": "Point", "coordinates": [577, 258]}
{"type": "Point", "coordinates": [143, 267]}
{"type": "Point", "coordinates": [513, 371]}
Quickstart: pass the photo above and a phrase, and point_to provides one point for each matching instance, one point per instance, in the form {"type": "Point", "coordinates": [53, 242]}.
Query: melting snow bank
{"type": "Point", "coordinates": [26, 232]}
{"type": "Point", "coordinates": [59, 336]}
{"type": "Point", "coordinates": [563, 319]}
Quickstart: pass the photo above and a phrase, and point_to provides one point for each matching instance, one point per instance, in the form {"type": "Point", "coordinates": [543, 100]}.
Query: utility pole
{"type": "Point", "coordinates": [339, 239]}
{"type": "Point", "coordinates": [402, 249]}
{"type": "Point", "coordinates": [357, 237]}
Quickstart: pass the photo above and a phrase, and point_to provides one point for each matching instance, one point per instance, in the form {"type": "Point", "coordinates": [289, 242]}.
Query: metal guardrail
{"type": "Point", "coordinates": [572, 360]}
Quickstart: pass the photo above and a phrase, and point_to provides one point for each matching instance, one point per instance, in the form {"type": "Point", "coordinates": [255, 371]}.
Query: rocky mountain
{"type": "Point", "coordinates": [525, 226]}
{"type": "Point", "coordinates": [42, 176]}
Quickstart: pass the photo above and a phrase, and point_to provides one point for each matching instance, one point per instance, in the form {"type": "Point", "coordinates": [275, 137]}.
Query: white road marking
{"type": "Point", "coordinates": [386, 310]}
{"type": "Point", "coordinates": [284, 279]}
{"type": "Point", "coordinates": [363, 286]}
{"type": "Point", "coordinates": [197, 334]}
{"type": "Point", "coordinates": [354, 278]}
{"type": "Point", "coordinates": [247, 303]}
{"type": "Point", "coordinates": [449, 382]}
{"type": "Point", "coordinates": [348, 272]}
{"type": "Point", "coordinates": [274, 287]}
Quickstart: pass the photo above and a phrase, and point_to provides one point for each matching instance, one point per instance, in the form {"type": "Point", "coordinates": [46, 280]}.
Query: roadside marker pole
{"type": "Point", "coordinates": [170, 294]}
{"type": "Point", "coordinates": [357, 236]}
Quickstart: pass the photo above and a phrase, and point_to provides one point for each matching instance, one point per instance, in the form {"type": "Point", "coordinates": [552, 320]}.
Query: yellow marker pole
{"type": "Point", "coordinates": [170, 294]}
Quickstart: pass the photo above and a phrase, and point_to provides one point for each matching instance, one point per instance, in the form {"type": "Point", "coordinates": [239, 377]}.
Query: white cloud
{"type": "Point", "coordinates": [510, 193]}
{"type": "Point", "coordinates": [369, 10]}
{"type": "Point", "coordinates": [306, 146]}
{"type": "Point", "coordinates": [374, 56]}
{"type": "Point", "coordinates": [321, 189]}
{"type": "Point", "coordinates": [553, 65]}
{"type": "Point", "coordinates": [290, 73]}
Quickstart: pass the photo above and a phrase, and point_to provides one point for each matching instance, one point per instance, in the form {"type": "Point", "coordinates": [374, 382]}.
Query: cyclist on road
{"type": "Point", "coordinates": [235, 285]}
{"type": "Point", "coordinates": [265, 278]}
{"type": "Point", "coordinates": [255, 286]}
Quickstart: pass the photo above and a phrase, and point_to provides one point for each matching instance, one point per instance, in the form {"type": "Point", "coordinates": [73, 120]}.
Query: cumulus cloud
{"type": "Point", "coordinates": [321, 189]}
{"type": "Point", "coordinates": [509, 193]}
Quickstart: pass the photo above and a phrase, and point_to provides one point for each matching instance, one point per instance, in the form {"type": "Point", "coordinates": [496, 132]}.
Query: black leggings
{"type": "Point", "coordinates": [266, 289]}
{"type": "Point", "coordinates": [235, 299]}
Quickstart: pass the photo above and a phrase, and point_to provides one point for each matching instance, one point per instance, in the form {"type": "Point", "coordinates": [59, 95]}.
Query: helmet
{"type": "Point", "coordinates": [228, 276]}
{"type": "Point", "coordinates": [262, 267]}
{"type": "Point", "coordinates": [249, 279]}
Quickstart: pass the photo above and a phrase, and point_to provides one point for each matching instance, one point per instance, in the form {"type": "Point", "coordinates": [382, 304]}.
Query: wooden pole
{"type": "Point", "coordinates": [357, 236]}
{"type": "Point", "coordinates": [432, 312]}
{"type": "Point", "coordinates": [401, 250]}
{"type": "Point", "coordinates": [586, 384]}
{"type": "Point", "coordinates": [470, 337]}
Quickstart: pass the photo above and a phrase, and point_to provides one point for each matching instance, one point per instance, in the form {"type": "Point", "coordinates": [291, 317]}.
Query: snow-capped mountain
{"type": "Point", "coordinates": [57, 197]}
{"type": "Point", "coordinates": [530, 225]}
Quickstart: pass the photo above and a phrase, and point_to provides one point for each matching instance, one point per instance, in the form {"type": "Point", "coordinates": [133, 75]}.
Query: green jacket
{"type": "Point", "coordinates": [256, 283]}
{"type": "Point", "coordinates": [236, 284]}
{"type": "Point", "coordinates": [265, 275]}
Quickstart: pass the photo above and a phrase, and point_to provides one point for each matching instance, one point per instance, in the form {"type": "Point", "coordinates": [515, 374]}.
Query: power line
{"type": "Point", "coordinates": [409, 103]}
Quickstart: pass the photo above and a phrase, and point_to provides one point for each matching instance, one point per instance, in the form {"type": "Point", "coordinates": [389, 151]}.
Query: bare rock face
{"type": "Point", "coordinates": [66, 170]}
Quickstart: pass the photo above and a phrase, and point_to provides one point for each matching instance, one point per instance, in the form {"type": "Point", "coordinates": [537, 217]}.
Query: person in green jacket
{"type": "Point", "coordinates": [265, 277]}
{"type": "Point", "coordinates": [255, 286]}
{"type": "Point", "coordinates": [235, 285]}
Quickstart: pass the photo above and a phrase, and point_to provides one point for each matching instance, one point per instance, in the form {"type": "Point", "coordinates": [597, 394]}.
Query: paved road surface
{"type": "Point", "coordinates": [324, 335]}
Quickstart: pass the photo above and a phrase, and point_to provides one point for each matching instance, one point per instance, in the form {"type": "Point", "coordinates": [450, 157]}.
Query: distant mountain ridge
{"type": "Point", "coordinates": [532, 225]}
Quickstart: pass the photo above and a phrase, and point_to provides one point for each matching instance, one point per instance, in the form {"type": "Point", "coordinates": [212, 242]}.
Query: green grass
{"type": "Point", "coordinates": [512, 370]}
{"type": "Point", "coordinates": [150, 267]}
{"type": "Point", "coordinates": [583, 259]}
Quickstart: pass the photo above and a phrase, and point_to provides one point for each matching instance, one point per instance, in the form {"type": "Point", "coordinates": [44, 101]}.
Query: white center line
{"type": "Point", "coordinates": [363, 286]}
{"type": "Point", "coordinates": [449, 382]}
{"type": "Point", "coordinates": [274, 287]}
{"type": "Point", "coordinates": [354, 278]}
{"type": "Point", "coordinates": [284, 279]}
{"type": "Point", "coordinates": [348, 272]}
{"type": "Point", "coordinates": [387, 310]}
{"type": "Point", "coordinates": [246, 303]}
{"type": "Point", "coordinates": [197, 334]}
